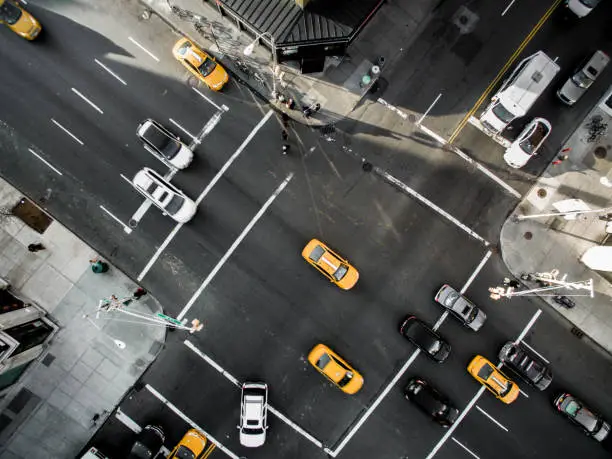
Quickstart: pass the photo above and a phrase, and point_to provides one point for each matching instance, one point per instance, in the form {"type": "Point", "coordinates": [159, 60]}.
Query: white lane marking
{"type": "Point", "coordinates": [452, 428]}
{"type": "Point", "coordinates": [524, 394]}
{"type": "Point", "coordinates": [536, 352]}
{"type": "Point", "coordinates": [208, 127]}
{"type": "Point", "coordinates": [110, 71]}
{"type": "Point", "coordinates": [87, 100]}
{"type": "Point", "coordinates": [392, 108]}
{"type": "Point", "coordinates": [491, 418]}
{"type": "Point", "coordinates": [235, 381]}
{"type": "Point", "coordinates": [212, 183]}
{"type": "Point", "coordinates": [67, 131]}
{"type": "Point", "coordinates": [476, 271]}
{"type": "Point", "coordinates": [143, 48]}
{"type": "Point", "coordinates": [126, 228]}
{"type": "Point", "coordinates": [224, 107]}
{"type": "Point", "coordinates": [47, 163]}
{"type": "Point", "coordinates": [465, 448]}
{"type": "Point", "coordinates": [373, 406]}
{"type": "Point", "coordinates": [477, 396]}
{"type": "Point", "coordinates": [429, 109]}
{"type": "Point", "coordinates": [234, 246]}
{"type": "Point", "coordinates": [508, 7]}
{"type": "Point", "coordinates": [430, 204]}
{"type": "Point", "coordinates": [185, 418]}
{"type": "Point", "coordinates": [476, 164]}
{"type": "Point", "coordinates": [193, 138]}
{"type": "Point", "coordinates": [128, 421]}
{"type": "Point", "coordinates": [528, 326]}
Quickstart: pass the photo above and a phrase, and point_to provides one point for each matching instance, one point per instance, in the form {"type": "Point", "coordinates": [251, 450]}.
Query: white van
{"type": "Point", "coordinates": [581, 7]}
{"type": "Point", "coordinates": [519, 91]}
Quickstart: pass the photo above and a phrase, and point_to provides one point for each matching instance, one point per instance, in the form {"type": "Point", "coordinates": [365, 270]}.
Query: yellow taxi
{"type": "Point", "coordinates": [336, 369]}
{"type": "Point", "coordinates": [202, 65]}
{"type": "Point", "coordinates": [19, 20]}
{"type": "Point", "coordinates": [489, 376]}
{"type": "Point", "coordinates": [330, 264]}
{"type": "Point", "coordinates": [191, 446]}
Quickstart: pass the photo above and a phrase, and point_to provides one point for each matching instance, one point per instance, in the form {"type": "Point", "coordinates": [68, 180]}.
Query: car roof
{"type": "Point", "coordinates": [429, 398]}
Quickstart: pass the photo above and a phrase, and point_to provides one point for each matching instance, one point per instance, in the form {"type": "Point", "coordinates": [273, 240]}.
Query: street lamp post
{"type": "Point", "coordinates": [509, 291]}
{"type": "Point", "coordinates": [251, 47]}
{"type": "Point", "coordinates": [562, 214]}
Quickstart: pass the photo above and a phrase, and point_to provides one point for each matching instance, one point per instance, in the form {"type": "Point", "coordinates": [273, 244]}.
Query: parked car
{"type": "Point", "coordinates": [462, 308]}
{"type": "Point", "coordinates": [16, 18]}
{"type": "Point", "coordinates": [526, 364]}
{"type": "Point", "coordinates": [591, 423]}
{"type": "Point", "coordinates": [168, 198]}
{"type": "Point", "coordinates": [200, 64]}
{"type": "Point", "coordinates": [606, 102]}
{"type": "Point", "coordinates": [330, 264]}
{"type": "Point", "coordinates": [423, 337]}
{"type": "Point", "coordinates": [191, 445]}
{"type": "Point", "coordinates": [148, 443]}
{"type": "Point", "coordinates": [585, 76]}
{"type": "Point", "coordinates": [431, 402]}
{"type": "Point", "coordinates": [253, 414]}
{"type": "Point", "coordinates": [527, 143]}
{"type": "Point", "coordinates": [494, 380]}
{"type": "Point", "coordinates": [581, 7]}
{"type": "Point", "coordinates": [164, 145]}
{"type": "Point", "coordinates": [336, 369]}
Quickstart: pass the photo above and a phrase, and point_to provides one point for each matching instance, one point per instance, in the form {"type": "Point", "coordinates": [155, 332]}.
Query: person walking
{"type": "Point", "coordinates": [98, 266]}
{"type": "Point", "coordinates": [559, 160]}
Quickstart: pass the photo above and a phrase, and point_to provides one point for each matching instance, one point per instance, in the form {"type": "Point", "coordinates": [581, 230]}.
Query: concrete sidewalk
{"type": "Point", "coordinates": [547, 243]}
{"type": "Point", "coordinates": [337, 89]}
{"type": "Point", "coordinates": [81, 372]}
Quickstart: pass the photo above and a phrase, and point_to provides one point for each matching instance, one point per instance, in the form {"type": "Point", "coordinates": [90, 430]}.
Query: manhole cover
{"type": "Point", "coordinates": [542, 193]}
{"type": "Point", "coordinates": [600, 152]}
{"type": "Point", "coordinates": [528, 235]}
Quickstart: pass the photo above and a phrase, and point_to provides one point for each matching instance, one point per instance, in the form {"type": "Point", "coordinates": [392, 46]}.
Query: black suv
{"type": "Point", "coordinates": [526, 364]}
{"type": "Point", "coordinates": [432, 402]}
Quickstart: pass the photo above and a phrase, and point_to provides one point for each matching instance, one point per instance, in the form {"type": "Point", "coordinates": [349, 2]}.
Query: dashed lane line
{"type": "Point", "coordinates": [236, 383]}
{"type": "Point", "coordinates": [74, 137]}
{"type": "Point", "coordinates": [110, 72]}
{"type": "Point", "coordinates": [185, 418]}
{"type": "Point", "coordinates": [499, 424]}
{"type": "Point", "coordinates": [47, 163]}
{"type": "Point", "coordinates": [144, 49]}
{"type": "Point", "coordinates": [465, 448]}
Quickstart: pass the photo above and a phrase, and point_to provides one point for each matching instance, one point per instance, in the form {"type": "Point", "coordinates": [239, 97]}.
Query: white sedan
{"type": "Point", "coordinates": [253, 414]}
{"type": "Point", "coordinates": [527, 143]}
{"type": "Point", "coordinates": [168, 198]}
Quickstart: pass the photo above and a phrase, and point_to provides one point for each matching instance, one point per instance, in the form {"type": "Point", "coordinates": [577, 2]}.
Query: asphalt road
{"type": "Point", "coordinates": [264, 308]}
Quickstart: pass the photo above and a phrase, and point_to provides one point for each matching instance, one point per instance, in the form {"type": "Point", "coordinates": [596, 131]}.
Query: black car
{"type": "Point", "coordinates": [423, 337]}
{"type": "Point", "coordinates": [526, 364]}
{"type": "Point", "coordinates": [591, 423]}
{"type": "Point", "coordinates": [148, 443]}
{"type": "Point", "coordinates": [432, 402]}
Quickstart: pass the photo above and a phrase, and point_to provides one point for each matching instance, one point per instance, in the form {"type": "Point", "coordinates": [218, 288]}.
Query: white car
{"type": "Point", "coordinates": [253, 414]}
{"type": "Point", "coordinates": [463, 309]}
{"type": "Point", "coordinates": [581, 7]}
{"type": "Point", "coordinates": [527, 143]}
{"type": "Point", "coordinates": [170, 200]}
{"type": "Point", "coordinates": [164, 145]}
{"type": "Point", "coordinates": [606, 102]}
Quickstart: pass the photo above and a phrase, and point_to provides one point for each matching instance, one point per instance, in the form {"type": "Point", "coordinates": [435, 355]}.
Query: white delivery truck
{"type": "Point", "coordinates": [519, 91]}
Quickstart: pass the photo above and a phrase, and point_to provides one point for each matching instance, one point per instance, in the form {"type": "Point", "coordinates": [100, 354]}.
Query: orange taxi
{"type": "Point", "coordinates": [489, 376]}
{"type": "Point", "coordinates": [200, 64]}
{"type": "Point", "coordinates": [335, 368]}
{"type": "Point", "coordinates": [330, 264]}
{"type": "Point", "coordinates": [191, 446]}
{"type": "Point", "coordinates": [19, 20]}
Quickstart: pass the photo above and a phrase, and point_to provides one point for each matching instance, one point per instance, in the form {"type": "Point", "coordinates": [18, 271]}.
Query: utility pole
{"type": "Point", "coordinates": [550, 283]}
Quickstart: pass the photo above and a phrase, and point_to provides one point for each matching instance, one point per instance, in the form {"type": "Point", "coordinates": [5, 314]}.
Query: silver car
{"type": "Point", "coordinates": [592, 423]}
{"type": "Point", "coordinates": [462, 308]}
{"type": "Point", "coordinates": [584, 77]}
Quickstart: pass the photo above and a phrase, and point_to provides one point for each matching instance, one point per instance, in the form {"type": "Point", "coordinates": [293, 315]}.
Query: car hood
{"type": "Point", "coordinates": [478, 321]}
{"type": "Point", "coordinates": [217, 78]}
{"type": "Point", "coordinates": [252, 440]}
{"type": "Point", "coordinates": [443, 353]}
{"type": "Point", "coordinates": [515, 156]}
{"type": "Point", "coordinates": [25, 24]}
{"type": "Point", "coordinates": [571, 91]}
{"type": "Point", "coordinates": [578, 8]}
{"type": "Point", "coordinates": [492, 122]}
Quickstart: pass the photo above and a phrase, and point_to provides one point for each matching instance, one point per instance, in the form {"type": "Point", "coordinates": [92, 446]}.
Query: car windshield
{"type": "Point", "coordinates": [175, 204]}
{"type": "Point", "coordinates": [451, 298]}
{"type": "Point", "coordinates": [340, 272]}
{"type": "Point", "coordinates": [184, 453]}
{"type": "Point", "coordinates": [323, 361]}
{"type": "Point", "coordinates": [168, 146]}
{"type": "Point", "coordinates": [316, 253]}
{"type": "Point", "coordinates": [472, 315]}
{"type": "Point", "coordinates": [581, 79]}
{"type": "Point", "coordinates": [485, 371]}
{"type": "Point", "coordinates": [572, 408]}
{"type": "Point", "coordinates": [590, 3]}
{"type": "Point", "coordinates": [347, 379]}
{"type": "Point", "coordinates": [9, 13]}
{"type": "Point", "coordinates": [503, 114]}
{"type": "Point", "coordinates": [250, 431]}
{"type": "Point", "coordinates": [207, 67]}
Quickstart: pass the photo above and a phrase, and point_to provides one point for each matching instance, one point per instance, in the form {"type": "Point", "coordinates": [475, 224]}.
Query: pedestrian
{"type": "Point", "coordinates": [36, 247]}
{"type": "Point", "coordinates": [285, 148]}
{"type": "Point", "coordinates": [511, 283]}
{"type": "Point", "coordinates": [290, 103]}
{"type": "Point", "coordinates": [98, 266]}
{"type": "Point", "coordinates": [317, 107]}
{"type": "Point", "coordinates": [559, 160]}
{"type": "Point", "coordinates": [139, 293]}
{"type": "Point", "coordinates": [284, 135]}
{"type": "Point", "coordinates": [306, 111]}
{"type": "Point", "coordinates": [285, 120]}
